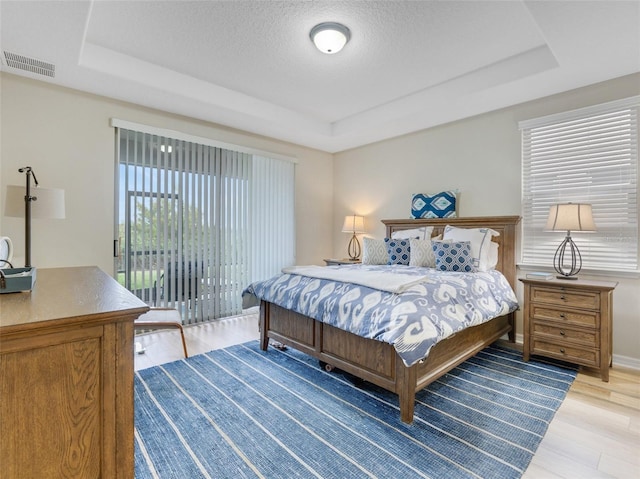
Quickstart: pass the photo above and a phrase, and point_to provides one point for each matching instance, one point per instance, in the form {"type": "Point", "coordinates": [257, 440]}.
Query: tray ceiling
{"type": "Point", "coordinates": [250, 65]}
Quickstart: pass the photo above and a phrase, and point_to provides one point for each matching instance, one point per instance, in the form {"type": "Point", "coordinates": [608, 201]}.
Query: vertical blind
{"type": "Point", "coordinates": [588, 155]}
{"type": "Point", "coordinates": [198, 223]}
{"type": "Point", "coordinates": [272, 205]}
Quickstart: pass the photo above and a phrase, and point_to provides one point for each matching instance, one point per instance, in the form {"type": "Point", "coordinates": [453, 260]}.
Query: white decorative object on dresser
{"type": "Point", "coordinates": [6, 252]}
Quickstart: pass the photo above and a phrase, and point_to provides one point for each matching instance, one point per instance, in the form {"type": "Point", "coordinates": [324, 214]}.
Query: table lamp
{"type": "Point", "coordinates": [355, 225]}
{"type": "Point", "coordinates": [569, 217]}
{"type": "Point", "coordinates": [25, 202]}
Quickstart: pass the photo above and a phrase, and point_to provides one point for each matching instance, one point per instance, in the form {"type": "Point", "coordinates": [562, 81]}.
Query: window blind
{"type": "Point", "coordinates": [193, 219]}
{"type": "Point", "coordinates": [583, 156]}
{"type": "Point", "coordinates": [271, 219]}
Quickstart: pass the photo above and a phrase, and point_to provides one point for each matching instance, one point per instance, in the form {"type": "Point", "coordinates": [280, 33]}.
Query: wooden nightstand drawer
{"type": "Point", "coordinates": [581, 318]}
{"type": "Point", "coordinates": [569, 320]}
{"type": "Point", "coordinates": [574, 354]}
{"type": "Point", "coordinates": [587, 337]}
{"type": "Point", "coordinates": [566, 297]}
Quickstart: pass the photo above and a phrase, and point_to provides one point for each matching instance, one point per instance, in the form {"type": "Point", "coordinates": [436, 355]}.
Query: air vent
{"type": "Point", "coordinates": [29, 64]}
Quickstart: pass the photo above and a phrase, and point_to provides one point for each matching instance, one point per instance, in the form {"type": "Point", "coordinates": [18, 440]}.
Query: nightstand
{"type": "Point", "coordinates": [569, 320]}
{"type": "Point", "coordinates": [330, 262]}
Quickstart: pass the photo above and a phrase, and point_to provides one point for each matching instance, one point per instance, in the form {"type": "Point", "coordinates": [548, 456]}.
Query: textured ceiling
{"type": "Point", "coordinates": [251, 65]}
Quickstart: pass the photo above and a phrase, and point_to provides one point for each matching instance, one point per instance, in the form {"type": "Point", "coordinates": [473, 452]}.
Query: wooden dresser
{"type": "Point", "coordinates": [66, 377]}
{"type": "Point", "coordinates": [569, 320]}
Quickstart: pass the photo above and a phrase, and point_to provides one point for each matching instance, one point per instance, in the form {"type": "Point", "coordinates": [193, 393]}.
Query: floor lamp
{"type": "Point", "coordinates": [25, 202]}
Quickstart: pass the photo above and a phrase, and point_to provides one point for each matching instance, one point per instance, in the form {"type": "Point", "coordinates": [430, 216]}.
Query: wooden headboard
{"type": "Point", "coordinates": [505, 225]}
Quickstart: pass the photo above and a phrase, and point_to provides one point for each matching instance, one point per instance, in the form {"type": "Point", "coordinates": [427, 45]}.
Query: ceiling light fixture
{"type": "Point", "coordinates": [330, 37]}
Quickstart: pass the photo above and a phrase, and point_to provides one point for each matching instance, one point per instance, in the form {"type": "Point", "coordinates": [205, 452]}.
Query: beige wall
{"type": "Point", "coordinates": [65, 135]}
{"type": "Point", "coordinates": [480, 157]}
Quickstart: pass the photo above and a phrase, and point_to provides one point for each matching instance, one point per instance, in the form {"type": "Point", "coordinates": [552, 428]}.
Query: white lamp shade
{"type": "Point", "coordinates": [353, 224]}
{"type": "Point", "coordinates": [570, 217]}
{"type": "Point", "coordinates": [49, 203]}
{"type": "Point", "coordinates": [330, 37]}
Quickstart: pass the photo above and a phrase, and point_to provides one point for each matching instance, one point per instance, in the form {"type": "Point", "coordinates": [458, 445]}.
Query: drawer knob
{"type": "Point", "coordinates": [562, 350]}
{"type": "Point", "coordinates": [563, 298]}
{"type": "Point", "coordinates": [562, 315]}
{"type": "Point", "coordinates": [561, 332]}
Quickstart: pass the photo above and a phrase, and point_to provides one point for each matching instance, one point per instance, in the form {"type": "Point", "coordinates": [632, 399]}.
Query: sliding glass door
{"type": "Point", "coordinates": [187, 217]}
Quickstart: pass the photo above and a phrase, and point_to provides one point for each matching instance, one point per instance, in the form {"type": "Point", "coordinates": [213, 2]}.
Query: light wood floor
{"type": "Point", "coordinates": [165, 346]}
{"type": "Point", "coordinates": [594, 434]}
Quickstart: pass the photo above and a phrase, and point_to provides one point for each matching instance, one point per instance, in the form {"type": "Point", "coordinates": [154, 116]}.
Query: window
{"type": "Point", "coordinates": [196, 223]}
{"type": "Point", "coordinates": [588, 155]}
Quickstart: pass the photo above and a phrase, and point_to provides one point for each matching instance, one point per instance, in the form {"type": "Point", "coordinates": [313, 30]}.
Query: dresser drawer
{"type": "Point", "coordinates": [590, 338]}
{"type": "Point", "coordinates": [581, 318]}
{"type": "Point", "coordinates": [575, 298]}
{"type": "Point", "coordinates": [574, 354]}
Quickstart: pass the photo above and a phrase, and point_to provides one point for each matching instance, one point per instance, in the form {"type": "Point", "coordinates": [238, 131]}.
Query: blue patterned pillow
{"type": "Point", "coordinates": [453, 256]}
{"type": "Point", "coordinates": [442, 205]}
{"type": "Point", "coordinates": [399, 251]}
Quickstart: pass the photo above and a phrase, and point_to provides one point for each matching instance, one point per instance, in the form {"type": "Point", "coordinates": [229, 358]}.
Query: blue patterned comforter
{"type": "Point", "coordinates": [412, 321]}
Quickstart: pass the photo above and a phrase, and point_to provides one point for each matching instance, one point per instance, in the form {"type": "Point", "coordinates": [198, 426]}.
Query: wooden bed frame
{"type": "Point", "coordinates": [378, 362]}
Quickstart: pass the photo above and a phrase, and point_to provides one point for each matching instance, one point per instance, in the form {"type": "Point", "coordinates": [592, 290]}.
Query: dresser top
{"type": "Point", "coordinates": [84, 292]}
{"type": "Point", "coordinates": [573, 283]}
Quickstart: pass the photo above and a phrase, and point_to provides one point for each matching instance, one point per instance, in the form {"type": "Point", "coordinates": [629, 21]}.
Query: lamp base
{"type": "Point", "coordinates": [570, 249]}
{"type": "Point", "coordinates": [354, 248]}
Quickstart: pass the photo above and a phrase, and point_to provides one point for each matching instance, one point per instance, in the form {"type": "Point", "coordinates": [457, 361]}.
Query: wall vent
{"type": "Point", "coordinates": [29, 64]}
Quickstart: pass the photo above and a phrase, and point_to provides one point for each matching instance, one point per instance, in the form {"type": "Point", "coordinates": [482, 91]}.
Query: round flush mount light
{"type": "Point", "coordinates": [330, 37]}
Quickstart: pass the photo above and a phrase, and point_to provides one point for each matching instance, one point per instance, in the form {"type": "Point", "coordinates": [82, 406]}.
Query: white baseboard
{"type": "Point", "coordinates": [626, 362]}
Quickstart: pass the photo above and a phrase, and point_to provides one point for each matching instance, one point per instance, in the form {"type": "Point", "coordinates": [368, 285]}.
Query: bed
{"type": "Point", "coordinates": [379, 362]}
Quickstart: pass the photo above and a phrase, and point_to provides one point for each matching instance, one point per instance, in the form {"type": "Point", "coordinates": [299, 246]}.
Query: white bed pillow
{"type": "Point", "coordinates": [480, 239]}
{"type": "Point", "coordinates": [374, 251]}
{"type": "Point", "coordinates": [422, 253]}
{"type": "Point", "coordinates": [423, 233]}
{"type": "Point", "coordinates": [493, 255]}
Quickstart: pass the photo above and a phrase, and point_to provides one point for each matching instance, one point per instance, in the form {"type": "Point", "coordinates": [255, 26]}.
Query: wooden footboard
{"type": "Point", "coordinates": [372, 360]}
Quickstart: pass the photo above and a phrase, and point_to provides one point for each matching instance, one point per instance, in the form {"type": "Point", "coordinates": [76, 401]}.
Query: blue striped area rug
{"type": "Point", "coordinates": [239, 412]}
